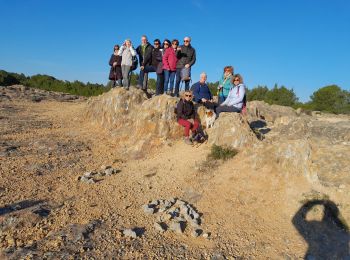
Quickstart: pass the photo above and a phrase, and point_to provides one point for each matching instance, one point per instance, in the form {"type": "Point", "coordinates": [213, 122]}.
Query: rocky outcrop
{"type": "Point", "coordinates": [232, 130]}
{"type": "Point", "coordinates": [269, 113]}
{"type": "Point", "coordinates": [131, 117]}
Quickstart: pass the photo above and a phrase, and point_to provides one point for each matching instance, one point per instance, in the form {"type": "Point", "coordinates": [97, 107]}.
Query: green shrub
{"type": "Point", "coordinates": [221, 153]}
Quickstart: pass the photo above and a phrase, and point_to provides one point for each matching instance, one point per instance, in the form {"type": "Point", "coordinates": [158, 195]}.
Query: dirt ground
{"type": "Point", "coordinates": [45, 212]}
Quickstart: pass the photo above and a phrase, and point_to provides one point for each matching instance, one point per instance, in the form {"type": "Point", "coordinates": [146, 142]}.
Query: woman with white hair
{"type": "Point", "coordinates": [127, 51]}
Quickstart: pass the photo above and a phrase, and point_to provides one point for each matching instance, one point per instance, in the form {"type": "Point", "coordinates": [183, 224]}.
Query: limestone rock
{"type": "Point", "coordinates": [232, 130]}
{"type": "Point", "coordinates": [262, 110]}
{"type": "Point", "coordinates": [139, 122]}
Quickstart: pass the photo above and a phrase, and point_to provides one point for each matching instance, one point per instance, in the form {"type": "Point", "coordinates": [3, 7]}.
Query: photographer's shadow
{"type": "Point", "coordinates": [327, 238]}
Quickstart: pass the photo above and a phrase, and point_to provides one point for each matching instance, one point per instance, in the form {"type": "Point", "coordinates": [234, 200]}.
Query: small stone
{"type": "Point", "coordinates": [109, 171]}
{"type": "Point", "coordinates": [87, 174]}
{"type": "Point", "coordinates": [104, 167]}
{"type": "Point", "coordinates": [197, 232]}
{"type": "Point", "coordinates": [161, 227]}
{"type": "Point", "coordinates": [86, 179]}
{"type": "Point", "coordinates": [129, 233]}
{"type": "Point", "coordinates": [206, 235]}
{"type": "Point", "coordinates": [176, 227]}
{"type": "Point", "coordinates": [147, 209]}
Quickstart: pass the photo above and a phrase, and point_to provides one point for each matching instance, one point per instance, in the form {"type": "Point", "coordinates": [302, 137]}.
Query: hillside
{"type": "Point", "coordinates": [253, 206]}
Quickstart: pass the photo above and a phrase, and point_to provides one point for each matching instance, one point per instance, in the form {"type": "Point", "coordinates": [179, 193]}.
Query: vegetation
{"type": "Point", "coordinates": [52, 84]}
{"type": "Point", "coordinates": [221, 153]}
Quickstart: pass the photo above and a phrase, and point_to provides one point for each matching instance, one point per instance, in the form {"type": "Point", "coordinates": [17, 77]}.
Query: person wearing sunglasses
{"type": "Point", "coordinates": [186, 116]}
{"type": "Point", "coordinates": [235, 99]}
{"type": "Point", "coordinates": [169, 65]}
{"type": "Point", "coordinates": [186, 55]}
{"type": "Point", "coordinates": [115, 62]}
{"type": "Point", "coordinates": [225, 84]}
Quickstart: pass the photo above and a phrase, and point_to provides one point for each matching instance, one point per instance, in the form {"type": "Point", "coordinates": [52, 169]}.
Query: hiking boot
{"type": "Point", "coordinates": [187, 140]}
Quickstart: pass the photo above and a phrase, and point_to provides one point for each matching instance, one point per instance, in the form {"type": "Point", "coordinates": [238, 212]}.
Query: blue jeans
{"type": "Point", "coordinates": [221, 98]}
{"type": "Point", "coordinates": [178, 80]}
{"type": "Point", "coordinates": [146, 69]}
{"type": "Point", "coordinates": [169, 75]}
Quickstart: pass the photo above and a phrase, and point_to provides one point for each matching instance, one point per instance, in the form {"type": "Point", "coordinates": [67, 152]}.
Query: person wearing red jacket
{"type": "Point", "coordinates": [169, 65]}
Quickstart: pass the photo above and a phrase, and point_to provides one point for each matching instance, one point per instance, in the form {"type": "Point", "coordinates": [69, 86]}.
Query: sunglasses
{"type": "Point", "coordinates": [236, 80]}
{"type": "Point", "coordinates": [156, 43]}
{"type": "Point", "coordinates": [188, 95]}
{"type": "Point", "coordinates": [166, 43]}
{"type": "Point", "coordinates": [186, 41]}
{"type": "Point", "coordinates": [174, 44]}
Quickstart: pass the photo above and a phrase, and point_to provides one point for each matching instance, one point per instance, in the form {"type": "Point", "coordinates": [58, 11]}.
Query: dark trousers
{"type": "Point", "coordinates": [221, 109]}
{"type": "Point", "coordinates": [143, 77]}
{"type": "Point", "coordinates": [160, 84]}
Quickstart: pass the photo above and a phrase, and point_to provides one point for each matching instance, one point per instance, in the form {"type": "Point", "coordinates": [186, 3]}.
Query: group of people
{"type": "Point", "coordinates": [231, 98]}
{"type": "Point", "coordinates": [171, 62]}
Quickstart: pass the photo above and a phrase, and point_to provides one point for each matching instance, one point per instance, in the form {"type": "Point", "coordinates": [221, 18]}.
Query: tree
{"type": "Point", "coordinates": [281, 96]}
{"type": "Point", "coordinates": [331, 99]}
{"type": "Point", "coordinates": [257, 93]}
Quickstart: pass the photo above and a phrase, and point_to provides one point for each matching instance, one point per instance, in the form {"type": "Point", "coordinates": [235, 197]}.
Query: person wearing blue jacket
{"type": "Point", "coordinates": [201, 92]}
{"type": "Point", "coordinates": [235, 99]}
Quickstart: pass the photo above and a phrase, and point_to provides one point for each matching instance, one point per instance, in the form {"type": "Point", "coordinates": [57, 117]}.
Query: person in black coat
{"type": "Point", "coordinates": [115, 73]}
{"type": "Point", "coordinates": [145, 57]}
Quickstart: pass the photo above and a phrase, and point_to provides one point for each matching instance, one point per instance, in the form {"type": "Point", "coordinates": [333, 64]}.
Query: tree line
{"type": "Point", "coordinates": [330, 98]}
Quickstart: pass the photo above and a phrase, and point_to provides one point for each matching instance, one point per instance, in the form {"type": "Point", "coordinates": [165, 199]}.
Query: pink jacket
{"type": "Point", "coordinates": [169, 59]}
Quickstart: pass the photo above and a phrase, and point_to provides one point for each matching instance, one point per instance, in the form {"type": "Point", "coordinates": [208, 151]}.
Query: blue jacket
{"type": "Point", "coordinates": [235, 97]}
{"type": "Point", "coordinates": [201, 91]}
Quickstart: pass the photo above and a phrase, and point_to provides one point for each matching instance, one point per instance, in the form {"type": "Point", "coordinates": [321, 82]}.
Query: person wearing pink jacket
{"type": "Point", "coordinates": [169, 65]}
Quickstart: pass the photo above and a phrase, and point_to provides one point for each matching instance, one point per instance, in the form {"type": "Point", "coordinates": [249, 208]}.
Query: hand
{"type": "Point", "coordinates": [191, 120]}
{"type": "Point", "coordinates": [114, 64]}
{"type": "Point", "coordinates": [204, 100]}
{"type": "Point", "coordinates": [187, 66]}
{"type": "Point", "coordinates": [142, 67]}
{"type": "Point", "coordinates": [220, 87]}
{"type": "Point", "coordinates": [178, 48]}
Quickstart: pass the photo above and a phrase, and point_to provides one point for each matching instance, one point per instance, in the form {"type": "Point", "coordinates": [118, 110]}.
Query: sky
{"type": "Point", "coordinates": [300, 44]}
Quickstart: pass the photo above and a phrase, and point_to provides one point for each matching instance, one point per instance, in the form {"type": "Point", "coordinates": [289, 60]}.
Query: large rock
{"type": "Point", "coordinates": [140, 123]}
{"type": "Point", "coordinates": [262, 110]}
{"type": "Point", "coordinates": [232, 130]}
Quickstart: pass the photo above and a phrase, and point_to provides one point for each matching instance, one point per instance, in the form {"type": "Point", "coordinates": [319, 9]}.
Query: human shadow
{"type": "Point", "coordinates": [19, 206]}
{"type": "Point", "coordinates": [328, 238]}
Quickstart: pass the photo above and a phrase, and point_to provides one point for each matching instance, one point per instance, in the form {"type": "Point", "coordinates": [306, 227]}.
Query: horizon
{"type": "Point", "coordinates": [300, 45]}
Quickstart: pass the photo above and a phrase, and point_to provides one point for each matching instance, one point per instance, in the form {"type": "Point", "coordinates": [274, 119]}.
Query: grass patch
{"type": "Point", "coordinates": [221, 153]}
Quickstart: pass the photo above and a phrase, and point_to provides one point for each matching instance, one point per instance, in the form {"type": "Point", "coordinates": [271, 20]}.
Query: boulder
{"type": "Point", "coordinates": [140, 123]}
{"type": "Point", "coordinates": [232, 130]}
{"type": "Point", "coordinates": [262, 110]}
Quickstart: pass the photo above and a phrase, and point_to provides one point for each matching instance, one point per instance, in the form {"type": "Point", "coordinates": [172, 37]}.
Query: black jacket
{"type": "Point", "coordinates": [185, 110]}
{"type": "Point", "coordinates": [156, 57]}
{"type": "Point", "coordinates": [187, 55]}
{"type": "Point", "coordinates": [146, 59]}
{"type": "Point", "coordinates": [115, 73]}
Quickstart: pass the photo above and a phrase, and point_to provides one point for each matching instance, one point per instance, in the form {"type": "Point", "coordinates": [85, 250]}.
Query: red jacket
{"type": "Point", "coordinates": [169, 59]}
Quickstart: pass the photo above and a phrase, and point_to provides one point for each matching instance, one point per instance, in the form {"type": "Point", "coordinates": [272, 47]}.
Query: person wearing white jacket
{"type": "Point", "coordinates": [235, 99]}
{"type": "Point", "coordinates": [127, 51]}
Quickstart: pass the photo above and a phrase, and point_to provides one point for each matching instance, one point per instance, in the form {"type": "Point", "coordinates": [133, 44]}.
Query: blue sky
{"type": "Point", "coordinates": [301, 44]}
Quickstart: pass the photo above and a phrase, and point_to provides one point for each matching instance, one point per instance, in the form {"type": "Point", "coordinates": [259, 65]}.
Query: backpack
{"type": "Point", "coordinates": [199, 137]}
{"type": "Point", "coordinates": [134, 63]}
{"type": "Point", "coordinates": [185, 74]}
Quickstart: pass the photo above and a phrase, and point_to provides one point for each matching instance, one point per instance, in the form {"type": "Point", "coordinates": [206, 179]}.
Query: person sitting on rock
{"type": "Point", "coordinates": [201, 92]}
{"type": "Point", "coordinates": [225, 84]}
{"type": "Point", "coordinates": [235, 99]}
{"type": "Point", "coordinates": [186, 115]}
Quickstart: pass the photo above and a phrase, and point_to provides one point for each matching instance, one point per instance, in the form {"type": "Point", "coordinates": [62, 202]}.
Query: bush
{"type": "Point", "coordinates": [221, 153]}
{"type": "Point", "coordinates": [331, 99]}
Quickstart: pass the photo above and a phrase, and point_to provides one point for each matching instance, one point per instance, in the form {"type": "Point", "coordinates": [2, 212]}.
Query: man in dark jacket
{"type": "Point", "coordinates": [145, 57]}
{"type": "Point", "coordinates": [187, 57]}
